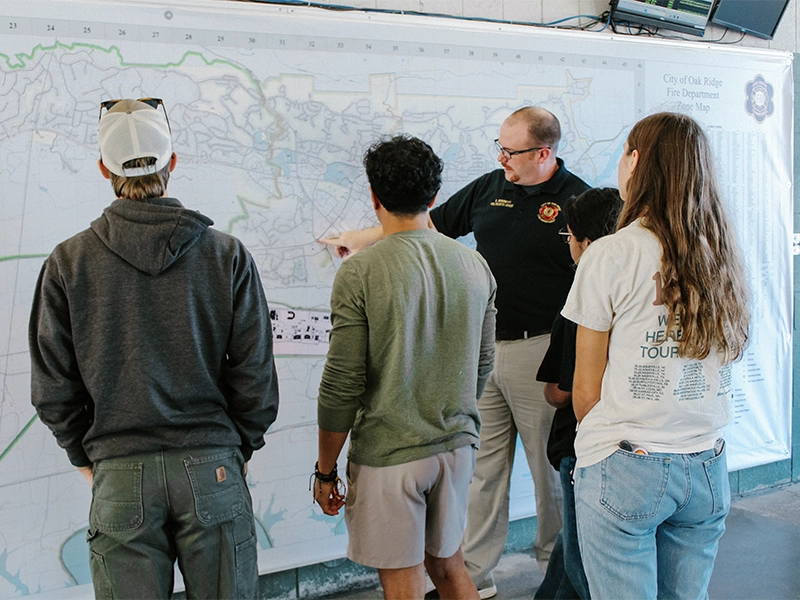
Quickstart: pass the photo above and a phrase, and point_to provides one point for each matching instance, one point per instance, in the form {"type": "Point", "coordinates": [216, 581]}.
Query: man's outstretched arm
{"type": "Point", "coordinates": [351, 242]}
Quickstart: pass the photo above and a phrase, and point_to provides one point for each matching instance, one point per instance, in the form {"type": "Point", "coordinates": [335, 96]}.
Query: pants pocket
{"type": "Point", "coordinates": [101, 582]}
{"type": "Point", "coordinates": [717, 473]}
{"type": "Point", "coordinates": [217, 486]}
{"type": "Point", "coordinates": [633, 485]}
{"type": "Point", "coordinates": [350, 476]}
{"type": "Point", "coordinates": [117, 496]}
{"type": "Point", "coordinates": [247, 569]}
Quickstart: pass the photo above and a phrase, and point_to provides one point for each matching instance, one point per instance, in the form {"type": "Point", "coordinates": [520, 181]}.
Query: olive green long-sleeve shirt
{"type": "Point", "coordinates": [411, 348]}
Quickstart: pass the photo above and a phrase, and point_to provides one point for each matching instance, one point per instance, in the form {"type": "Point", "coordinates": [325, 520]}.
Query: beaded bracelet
{"type": "Point", "coordinates": [339, 489]}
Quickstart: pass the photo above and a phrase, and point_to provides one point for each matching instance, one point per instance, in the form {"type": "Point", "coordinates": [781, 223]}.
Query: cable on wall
{"type": "Point", "coordinates": [617, 27]}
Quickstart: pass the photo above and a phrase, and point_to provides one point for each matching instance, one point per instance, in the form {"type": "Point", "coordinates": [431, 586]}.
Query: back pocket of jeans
{"type": "Point", "coordinates": [117, 496]}
{"type": "Point", "coordinates": [217, 486]}
{"type": "Point", "coordinates": [717, 474]}
{"type": "Point", "coordinates": [633, 484]}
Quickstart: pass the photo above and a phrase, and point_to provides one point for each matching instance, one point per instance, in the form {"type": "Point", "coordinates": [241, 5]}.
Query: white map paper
{"type": "Point", "coordinates": [271, 111]}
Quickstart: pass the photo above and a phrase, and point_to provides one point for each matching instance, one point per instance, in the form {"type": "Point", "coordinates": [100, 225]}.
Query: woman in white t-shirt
{"type": "Point", "coordinates": [661, 308]}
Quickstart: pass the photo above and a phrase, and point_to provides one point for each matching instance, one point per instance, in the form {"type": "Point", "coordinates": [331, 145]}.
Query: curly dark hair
{"type": "Point", "coordinates": [404, 173]}
{"type": "Point", "coordinates": [593, 214]}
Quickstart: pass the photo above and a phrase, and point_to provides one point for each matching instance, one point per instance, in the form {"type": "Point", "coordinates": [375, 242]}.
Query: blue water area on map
{"type": "Point", "coordinates": [451, 154]}
{"type": "Point", "coordinates": [283, 159]}
{"type": "Point", "coordinates": [12, 578]}
{"type": "Point", "coordinates": [341, 174]}
{"type": "Point", "coordinates": [75, 557]}
{"type": "Point", "coordinates": [262, 537]}
{"type": "Point", "coordinates": [260, 141]}
{"type": "Point", "coordinates": [610, 170]}
{"type": "Point", "coordinates": [336, 523]}
{"type": "Point", "coordinates": [265, 521]}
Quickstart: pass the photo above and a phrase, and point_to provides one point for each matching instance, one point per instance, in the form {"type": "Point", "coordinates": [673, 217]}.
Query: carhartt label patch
{"type": "Point", "coordinates": [502, 202]}
{"type": "Point", "coordinates": [221, 474]}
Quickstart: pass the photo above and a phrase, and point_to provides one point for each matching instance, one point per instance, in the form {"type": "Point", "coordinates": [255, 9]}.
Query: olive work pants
{"type": "Point", "coordinates": [149, 509]}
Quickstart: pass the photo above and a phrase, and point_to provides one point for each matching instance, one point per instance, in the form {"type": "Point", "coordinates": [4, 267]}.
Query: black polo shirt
{"type": "Point", "coordinates": [558, 366]}
{"type": "Point", "coordinates": [516, 230]}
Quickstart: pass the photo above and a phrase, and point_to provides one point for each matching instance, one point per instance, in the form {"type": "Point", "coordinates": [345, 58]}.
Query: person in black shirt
{"type": "Point", "coordinates": [589, 216]}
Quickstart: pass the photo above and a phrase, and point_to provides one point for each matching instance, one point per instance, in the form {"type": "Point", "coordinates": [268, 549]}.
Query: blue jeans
{"type": "Point", "coordinates": [565, 579]}
{"type": "Point", "coordinates": [649, 526]}
{"type": "Point", "coordinates": [149, 509]}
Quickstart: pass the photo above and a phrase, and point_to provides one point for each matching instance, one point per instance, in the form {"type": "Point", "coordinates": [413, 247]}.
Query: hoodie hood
{"type": "Point", "coordinates": [150, 234]}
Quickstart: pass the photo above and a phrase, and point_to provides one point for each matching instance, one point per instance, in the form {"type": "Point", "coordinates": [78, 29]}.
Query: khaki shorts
{"type": "Point", "coordinates": [396, 514]}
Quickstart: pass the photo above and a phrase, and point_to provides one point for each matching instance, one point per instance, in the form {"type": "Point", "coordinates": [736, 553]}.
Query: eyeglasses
{"type": "Point", "coordinates": [507, 154]}
{"type": "Point", "coordinates": [152, 102]}
{"type": "Point", "coordinates": [567, 235]}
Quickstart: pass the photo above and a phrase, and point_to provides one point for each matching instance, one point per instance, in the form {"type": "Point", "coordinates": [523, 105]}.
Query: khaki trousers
{"type": "Point", "coordinates": [513, 402]}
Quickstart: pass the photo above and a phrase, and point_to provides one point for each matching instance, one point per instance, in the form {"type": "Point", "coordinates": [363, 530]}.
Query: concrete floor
{"type": "Point", "coordinates": [758, 558]}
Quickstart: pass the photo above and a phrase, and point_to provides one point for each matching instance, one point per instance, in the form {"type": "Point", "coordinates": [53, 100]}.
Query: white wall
{"type": "Point", "coordinates": [542, 11]}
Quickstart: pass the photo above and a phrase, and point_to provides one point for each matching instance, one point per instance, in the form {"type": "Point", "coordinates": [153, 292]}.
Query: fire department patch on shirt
{"type": "Point", "coordinates": [548, 212]}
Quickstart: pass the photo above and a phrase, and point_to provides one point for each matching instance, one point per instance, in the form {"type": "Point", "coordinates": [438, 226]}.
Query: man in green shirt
{"type": "Point", "coordinates": [412, 345]}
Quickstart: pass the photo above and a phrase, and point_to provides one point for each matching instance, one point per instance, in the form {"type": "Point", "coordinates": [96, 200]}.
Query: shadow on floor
{"type": "Point", "coordinates": [758, 558]}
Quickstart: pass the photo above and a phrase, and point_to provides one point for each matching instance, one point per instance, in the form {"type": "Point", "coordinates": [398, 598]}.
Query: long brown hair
{"type": "Point", "coordinates": [674, 190]}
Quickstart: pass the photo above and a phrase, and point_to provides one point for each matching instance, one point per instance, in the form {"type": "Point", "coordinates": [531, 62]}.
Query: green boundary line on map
{"type": "Point", "coordinates": [236, 219]}
{"type": "Point", "coordinates": [22, 58]}
{"type": "Point", "coordinates": [18, 437]}
{"type": "Point", "coordinates": [22, 256]}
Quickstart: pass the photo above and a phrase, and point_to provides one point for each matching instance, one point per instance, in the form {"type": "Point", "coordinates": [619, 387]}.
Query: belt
{"type": "Point", "coordinates": [516, 334]}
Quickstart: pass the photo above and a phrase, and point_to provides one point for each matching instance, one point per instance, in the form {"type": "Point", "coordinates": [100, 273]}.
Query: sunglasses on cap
{"type": "Point", "coordinates": [152, 102]}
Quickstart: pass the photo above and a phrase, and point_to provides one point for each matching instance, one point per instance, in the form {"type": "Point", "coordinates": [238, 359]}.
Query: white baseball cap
{"type": "Point", "coordinates": [133, 129]}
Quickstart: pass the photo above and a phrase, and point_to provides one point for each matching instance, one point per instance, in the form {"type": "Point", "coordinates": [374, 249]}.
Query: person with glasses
{"type": "Point", "coordinates": [414, 298]}
{"type": "Point", "coordinates": [590, 216]}
{"type": "Point", "coordinates": [151, 362]}
{"type": "Point", "coordinates": [515, 213]}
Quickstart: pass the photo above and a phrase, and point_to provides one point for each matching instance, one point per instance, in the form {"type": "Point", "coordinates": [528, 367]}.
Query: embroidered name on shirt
{"type": "Point", "coordinates": [502, 202]}
{"type": "Point", "coordinates": [548, 212]}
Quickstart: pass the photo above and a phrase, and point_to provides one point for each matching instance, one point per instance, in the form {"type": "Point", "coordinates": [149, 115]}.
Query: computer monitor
{"type": "Point", "coordinates": [757, 17]}
{"type": "Point", "coordinates": [686, 16]}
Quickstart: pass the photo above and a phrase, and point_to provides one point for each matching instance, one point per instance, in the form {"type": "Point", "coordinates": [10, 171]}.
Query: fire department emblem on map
{"type": "Point", "coordinates": [548, 212]}
{"type": "Point", "coordinates": [759, 99]}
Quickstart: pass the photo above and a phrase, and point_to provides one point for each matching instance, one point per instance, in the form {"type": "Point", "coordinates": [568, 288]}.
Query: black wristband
{"type": "Point", "coordinates": [325, 477]}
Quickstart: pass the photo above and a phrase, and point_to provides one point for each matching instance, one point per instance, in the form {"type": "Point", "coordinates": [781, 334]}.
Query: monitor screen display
{"type": "Point", "coordinates": [686, 16]}
{"type": "Point", "coordinates": [758, 17]}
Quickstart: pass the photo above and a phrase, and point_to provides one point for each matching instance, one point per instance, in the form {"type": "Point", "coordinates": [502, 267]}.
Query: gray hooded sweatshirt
{"type": "Point", "coordinates": [150, 331]}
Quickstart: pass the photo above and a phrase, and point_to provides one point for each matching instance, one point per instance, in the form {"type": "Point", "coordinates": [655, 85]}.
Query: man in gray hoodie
{"type": "Point", "coordinates": [151, 362]}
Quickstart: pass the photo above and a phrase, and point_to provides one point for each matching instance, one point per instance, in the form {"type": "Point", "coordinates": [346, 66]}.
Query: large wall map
{"type": "Point", "coordinates": [271, 110]}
